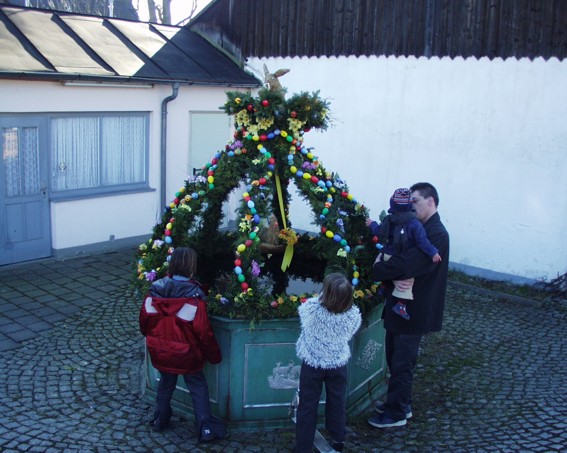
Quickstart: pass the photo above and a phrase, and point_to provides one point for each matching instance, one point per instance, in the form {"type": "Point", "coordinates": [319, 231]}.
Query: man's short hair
{"type": "Point", "coordinates": [426, 190]}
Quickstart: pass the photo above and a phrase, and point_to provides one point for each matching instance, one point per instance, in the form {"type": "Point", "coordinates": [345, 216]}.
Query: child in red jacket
{"type": "Point", "coordinates": [180, 340]}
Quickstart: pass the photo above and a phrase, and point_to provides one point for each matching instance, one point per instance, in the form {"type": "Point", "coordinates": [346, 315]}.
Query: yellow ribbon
{"type": "Point", "coordinates": [288, 254]}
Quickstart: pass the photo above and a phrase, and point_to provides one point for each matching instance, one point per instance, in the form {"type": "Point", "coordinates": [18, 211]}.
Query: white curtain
{"type": "Point", "coordinates": [75, 156]}
{"type": "Point", "coordinates": [123, 150]}
{"type": "Point", "coordinates": [20, 154]}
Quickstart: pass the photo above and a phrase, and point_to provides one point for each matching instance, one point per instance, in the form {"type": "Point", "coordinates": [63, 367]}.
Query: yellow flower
{"type": "Point", "coordinates": [288, 235]}
{"type": "Point", "coordinates": [358, 294]}
{"type": "Point", "coordinates": [265, 123]}
{"type": "Point", "coordinates": [293, 298]}
{"type": "Point", "coordinates": [295, 124]}
{"type": "Point", "coordinates": [244, 225]}
{"type": "Point", "coordinates": [242, 118]}
{"type": "Point", "coordinates": [253, 129]}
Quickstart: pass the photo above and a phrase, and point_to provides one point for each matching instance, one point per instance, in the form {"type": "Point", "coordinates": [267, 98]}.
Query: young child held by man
{"type": "Point", "coordinates": [328, 322]}
{"type": "Point", "coordinates": [399, 232]}
{"type": "Point", "coordinates": [179, 338]}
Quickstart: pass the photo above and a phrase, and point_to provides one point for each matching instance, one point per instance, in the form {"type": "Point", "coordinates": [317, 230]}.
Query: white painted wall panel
{"type": "Point", "coordinates": [490, 135]}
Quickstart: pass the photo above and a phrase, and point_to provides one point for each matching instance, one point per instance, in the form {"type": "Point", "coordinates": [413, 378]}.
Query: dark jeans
{"type": "Point", "coordinates": [401, 356]}
{"type": "Point", "coordinates": [310, 386]}
{"type": "Point", "coordinates": [197, 385]}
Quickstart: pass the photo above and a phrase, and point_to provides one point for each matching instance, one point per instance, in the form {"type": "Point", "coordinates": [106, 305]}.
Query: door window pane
{"type": "Point", "coordinates": [20, 156]}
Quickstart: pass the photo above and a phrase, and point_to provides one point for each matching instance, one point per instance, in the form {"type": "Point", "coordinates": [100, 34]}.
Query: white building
{"type": "Point", "coordinates": [102, 120]}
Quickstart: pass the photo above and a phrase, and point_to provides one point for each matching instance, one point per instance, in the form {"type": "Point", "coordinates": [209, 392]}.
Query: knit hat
{"type": "Point", "coordinates": [400, 201]}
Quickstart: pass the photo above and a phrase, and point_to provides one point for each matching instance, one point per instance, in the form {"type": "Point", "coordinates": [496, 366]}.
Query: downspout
{"type": "Point", "coordinates": [163, 150]}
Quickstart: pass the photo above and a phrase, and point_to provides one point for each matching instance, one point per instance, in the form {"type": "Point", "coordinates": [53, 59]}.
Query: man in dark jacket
{"type": "Point", "coordinates": [404, 336]}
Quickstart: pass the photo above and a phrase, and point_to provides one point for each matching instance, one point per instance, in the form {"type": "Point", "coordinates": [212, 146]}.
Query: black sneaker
{"type": "Point", "coordinates": [207, 435]}
{"type": "Point", "coordinates": [158, 425]}
{"type": "Point", "coordinates": [381, 408]}
{"type": "Point", "coordinates": [338, 446]}
{"type": "Point", "coordinates": [385, 421]}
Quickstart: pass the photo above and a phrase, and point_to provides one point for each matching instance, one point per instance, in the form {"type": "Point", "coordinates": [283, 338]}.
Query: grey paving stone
{"type": "Point", "coordinates": [8, 329]}
{"type": "Point", "coordinates": [7, 344]}
{"type": "Point", "coordinates": [39, 326]}
{"type": "Point", "coordinates": [14, 313]}
{"type": "Point", "coordinates": [47, 298]}
{"type": "Point", "coordinates": [55, 317]}
{"type": "Point", "coordinates": [67, 309]}
{"type": "Point", "coordinates": [34, 293]}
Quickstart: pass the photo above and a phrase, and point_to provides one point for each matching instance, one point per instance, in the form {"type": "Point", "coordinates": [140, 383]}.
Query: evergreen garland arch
{"type": "Point", "coordinates": [267, 152]}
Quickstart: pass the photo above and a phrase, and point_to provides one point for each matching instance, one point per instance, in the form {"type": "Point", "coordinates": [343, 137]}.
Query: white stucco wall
{"type": "Point", "coordinates": [77, 223]}
{"type": "Point", "coordinates": [490, 135]}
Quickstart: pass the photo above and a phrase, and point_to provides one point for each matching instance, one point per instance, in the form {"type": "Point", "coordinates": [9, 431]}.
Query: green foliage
{"type": "Point", "coordinates": [310, 109]}
{"type": "Point", "coordinates": [267, 152]}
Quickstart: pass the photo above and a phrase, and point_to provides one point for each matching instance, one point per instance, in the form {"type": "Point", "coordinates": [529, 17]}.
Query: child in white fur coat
{"type": "Point", "coordinates": [327, 325]}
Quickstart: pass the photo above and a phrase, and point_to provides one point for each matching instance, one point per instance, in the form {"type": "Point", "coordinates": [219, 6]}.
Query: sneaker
{"type": "Point", "coordinates": [158, 425]}
{"type": "Point", "coordinates": [385, 421]}
{"type": "Point", "coordinates": [207, 435]}
{"type": "Point", "coordinates": [338, 446]}
{"type": "Point", "coordinates": [380, 407]}
{"type": "Point", "coordinates": [400, 309]}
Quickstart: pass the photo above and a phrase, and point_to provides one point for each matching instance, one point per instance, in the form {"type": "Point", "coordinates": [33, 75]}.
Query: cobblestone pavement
{"type": "Point", "coordinates": [494, 379]}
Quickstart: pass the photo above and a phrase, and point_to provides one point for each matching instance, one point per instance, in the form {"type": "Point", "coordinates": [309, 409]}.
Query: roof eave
{"type": "Point", "coordinates": [58, 77]}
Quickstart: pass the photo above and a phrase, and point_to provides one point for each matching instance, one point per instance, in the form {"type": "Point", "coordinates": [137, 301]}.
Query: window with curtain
{"type": "Point", "coordinates": [99, 153]}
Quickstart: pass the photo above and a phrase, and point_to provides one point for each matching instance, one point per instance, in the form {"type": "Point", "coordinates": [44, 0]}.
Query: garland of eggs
{"type": "Point", "coordinates": [328, 186]}
{"type": "Point", "coordinates": [250, 195]}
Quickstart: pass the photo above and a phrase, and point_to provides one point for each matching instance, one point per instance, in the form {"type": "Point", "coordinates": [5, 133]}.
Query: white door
{"type": "Point", "coordinates": [209, 133]}
{"type": "Point", "coordinates": [25, 229]}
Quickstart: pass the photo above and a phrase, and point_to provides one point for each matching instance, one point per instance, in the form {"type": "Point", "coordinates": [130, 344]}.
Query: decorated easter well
{"type": "Point", "coordinates": [259, 272]}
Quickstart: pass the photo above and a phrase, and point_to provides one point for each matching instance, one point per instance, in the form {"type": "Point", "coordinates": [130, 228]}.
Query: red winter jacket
{"type": "Point", "coordinates": [178, 334]}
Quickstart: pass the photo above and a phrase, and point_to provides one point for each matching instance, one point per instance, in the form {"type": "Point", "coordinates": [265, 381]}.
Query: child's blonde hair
{"type": "Point", "coordinates": [337, 292]}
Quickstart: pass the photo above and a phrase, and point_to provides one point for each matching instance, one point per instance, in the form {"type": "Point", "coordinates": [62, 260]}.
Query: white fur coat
{"type": "Point", "coordinates": [323, 342]}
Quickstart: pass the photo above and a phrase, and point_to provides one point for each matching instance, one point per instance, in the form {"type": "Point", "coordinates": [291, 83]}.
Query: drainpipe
{"type": "Point", "coordinates": [163, 150]}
